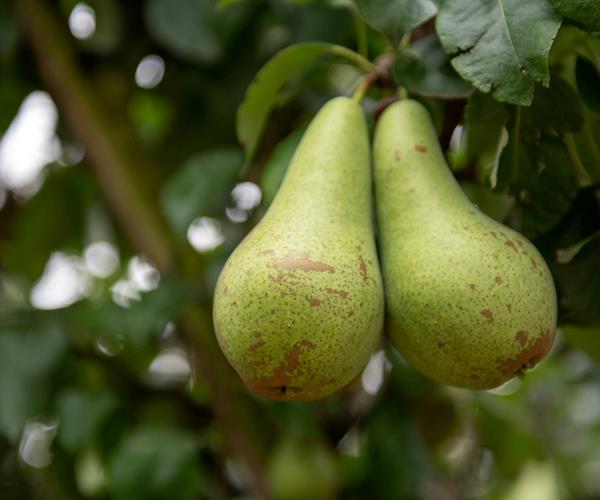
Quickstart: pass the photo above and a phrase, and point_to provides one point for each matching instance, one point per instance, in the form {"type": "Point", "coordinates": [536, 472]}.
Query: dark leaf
{"type": "Point", "coordinates": [582, 12]}
{"type": "Point", "coordinates": [425, 70]}
{"type": "Point", "coordinates": [28, 357]}
{"type": "Point", "coordinates": [80, 413]}
{"type": "Point", "coordinates": [588, 83]}
{"type": "Point", "coordinates": [200, 187]}
{"type": "Point", "coordinates": [265, 91]}
{"type": "Point", "coordinates": [500, 46]}
{"type": "Point", "coordinates": [137, 324]}
{"type": "Point", "coordinates": [155, 462]}
{"type": "Point", "coordinates": [394, 18]}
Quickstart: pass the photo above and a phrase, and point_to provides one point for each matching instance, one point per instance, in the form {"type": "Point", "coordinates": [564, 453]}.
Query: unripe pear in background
{"type": "Point", "coordinates": [302, 469]}
{"type": "Point", "coordinates": [298, 307]}
{"type": "Point", "coordinates": [470, 302]}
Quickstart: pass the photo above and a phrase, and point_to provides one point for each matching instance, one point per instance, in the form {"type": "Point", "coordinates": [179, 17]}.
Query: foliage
{"type": "Point", "coordinates": [110, 382]}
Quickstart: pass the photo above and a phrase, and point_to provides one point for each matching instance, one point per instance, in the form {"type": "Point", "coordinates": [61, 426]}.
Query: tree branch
{"type": "Point", "coordinates": [115, 161]}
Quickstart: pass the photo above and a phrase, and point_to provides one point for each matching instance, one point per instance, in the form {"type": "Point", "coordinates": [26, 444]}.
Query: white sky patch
{"type": "Point", "coordinates": [64, 282]}
{"type": "Point", "coordinates": [246, 195]}
{"type": "Point", "coordinates": [30, 143]}
{"type": "Point", "coordinates": [124, 292]}
{"type": "Point", "coordinates": [142, 274]}
{"type": "Point", "coordinates": [205, 234]}
{"type": "Point", "coordinates": [169, 366]}
{"type": "Point", "coordinates": [101, 259]}
{"type": "Point", "coordinates": [150, 71]}
{"type": "Point", "coordinates": [373, 374]}
{"type": "Point", "coordinates": [34, 448]}
{"type": "Point", "coordinates": [236, 215]}
{"type": "Point", "coordinates": [82, 21]}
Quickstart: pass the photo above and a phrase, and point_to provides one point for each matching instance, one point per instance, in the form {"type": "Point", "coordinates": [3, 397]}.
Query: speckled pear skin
{"type": "Point", "coordinates": [298, 307]}
{"type": "Point", "coordinates": [470, 302]}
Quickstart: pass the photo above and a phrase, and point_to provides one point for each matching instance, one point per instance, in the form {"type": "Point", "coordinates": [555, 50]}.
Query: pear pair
{"type": "Point", "coordinates": [299, 305]}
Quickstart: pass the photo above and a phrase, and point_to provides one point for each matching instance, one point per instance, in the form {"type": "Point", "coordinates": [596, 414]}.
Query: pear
{"type": "Point", "coordinates": [298, 307]}
{"type": "Point", "coordinates": [302, 469]}
{"type": "Point", "coordinates": [470, 302]}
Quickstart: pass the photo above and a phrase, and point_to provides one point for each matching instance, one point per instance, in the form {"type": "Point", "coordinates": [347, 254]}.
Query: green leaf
{"type": "Point", "coordinates": [566, 255]}
{"type": "Point", "coordinates": [151, 116]}
{"type": "Point", "coordinates": [28, 357]}
{"type": "Point", "coordinates": [496, 205]}
{"type": "Point", "coordinates": [193, 29]}
{"type": "Point", "coordinates": [537, 163]}
{"type": "Point", "coordinates": [155, 462]}
{"type": "Point", "coordinates": [8, 29]}
{"type": "Point", "coordinates": [585, 338]}
{"type": "Point", "coordinates": [136, 324]}
{"type": "Point", "coordinates": [588, 83]}
{"type": "Point", "coordinates": [277, 165]}
{"type": "Point", "coordinates": [500, 46]}
{"type": "Point", "coordinates": [583, 12]}
{"type": "Point", "coordinates": [200, 187]}
{"type": "Point", "coordinates": [264, 93]}
{"type": "Point", "coordinates": [425, 70]}
{"type": "Point", "coordinates": [545, 186]}
{"type": "Point", "coordinates": [394, 18]}
{"type": "Point", "coordinates": [485, 135]}
{"type": "Point", "coordinates": [557, 109]}
{"type": "Point", "coordinates": [579, 286]}
{"type": "Point", "coordinates": [39, 226]}
{"type": "Point", "coordinates": [80, 413]}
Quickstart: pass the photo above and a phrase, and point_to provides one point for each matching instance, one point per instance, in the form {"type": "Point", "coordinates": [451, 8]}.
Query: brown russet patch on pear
{"type": "Point", "coordinates": [397, 155]}
{"type": "Point", "coordinates": [314, 302]}
{"type": "Point", "coordinates": [363, 269]}
{"type": "Point", "coordinates": [472, 286]}
{"type": "Point", "coordinates": [521, 337]}
{"type": "Point", "coordinates": [257, 335]}
{"type": "Point", "coordinates": [533, 263]}
{"type": "Point", "coordinates": [267, 252]}
{"type": "Point", "coordinates": [340, 293]}
{"type": "Point", "coordinates": [493, 233]}
{"type": "Point", "coordinates": [498, 280]}
{"type": "Point", "coordinates": [256, 345]}
{"type": "Point", "coordinates": [288, 367]}
{"type": "Point", "coordinates": [293, 261]}
{"type": "Point", "coordinates": [509, 307]}
{"type": "Point", "coordinates": [420, 148]}
{"type": "Point", "coordinates": [529, 356]}
{"type": "Point", "coordinates": [487, 314]}
{"type": "Point", "coordinates": [511, 243]}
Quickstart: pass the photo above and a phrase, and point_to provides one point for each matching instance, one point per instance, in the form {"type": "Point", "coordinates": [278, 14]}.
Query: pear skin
{"type": "Point", "coordinates": [298, 307]}
{"type": "Point", "coordinates": [470, 302]}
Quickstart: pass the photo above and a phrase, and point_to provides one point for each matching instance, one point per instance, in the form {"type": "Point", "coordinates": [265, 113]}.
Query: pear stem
{"type": "Point", "coordinates": [363, 87]}
{"type": "Point", "coordinates": [362, 45]}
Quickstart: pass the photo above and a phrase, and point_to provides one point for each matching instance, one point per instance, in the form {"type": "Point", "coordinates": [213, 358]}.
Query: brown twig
{"type": "Point", "coordinates": [115, 161]}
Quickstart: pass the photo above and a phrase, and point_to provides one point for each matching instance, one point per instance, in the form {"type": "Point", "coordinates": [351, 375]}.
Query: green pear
{"type": "Point", "coordinates": [302, 469]}
{"type": "Point", "coordinates": [470, 302]}
{"type": "Point", "coordinates": [298, 307]}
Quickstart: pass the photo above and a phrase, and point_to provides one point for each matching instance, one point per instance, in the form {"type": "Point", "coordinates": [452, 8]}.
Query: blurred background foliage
{"type": "Point", "coordinates": [123, 188]}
